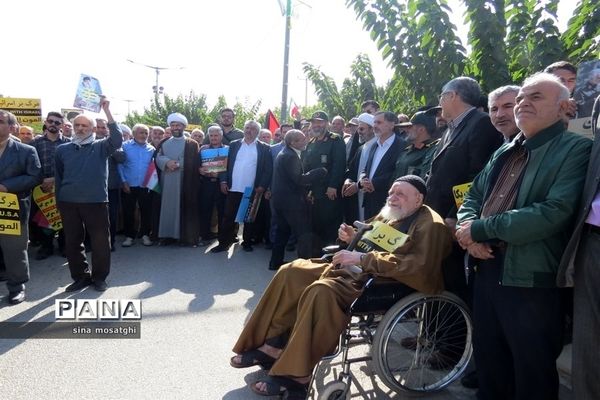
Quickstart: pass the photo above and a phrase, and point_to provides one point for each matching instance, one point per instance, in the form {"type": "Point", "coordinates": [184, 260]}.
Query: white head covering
{"type": "Point", "coordinates": [125, 129]}
{"type": "Point", "coordinates": [367, 119]}
{"type": "Point", "coordinates": [177, 117]}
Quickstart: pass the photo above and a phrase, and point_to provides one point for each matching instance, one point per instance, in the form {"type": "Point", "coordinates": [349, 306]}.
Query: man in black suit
{"type": "Point", "coordinates": [249, 165]}
{"type": "Point", "coordinates": [20, 171]}
{"type": "Point", "coordinates": [464, 148]}
{"type": "Point", "coordinates": [288, 198]}
{"type": "Point", "coordinates": [463, 151]}
{"type": "Point", "coordinates": [579, 268]}
{"type": "Point", "coordinates": [376, 179]}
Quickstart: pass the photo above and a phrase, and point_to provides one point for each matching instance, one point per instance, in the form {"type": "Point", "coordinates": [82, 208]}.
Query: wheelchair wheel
{"type": "Point", "coordinates": [334, 391]}
{"type": "Point", "coordinates": [423, 343]}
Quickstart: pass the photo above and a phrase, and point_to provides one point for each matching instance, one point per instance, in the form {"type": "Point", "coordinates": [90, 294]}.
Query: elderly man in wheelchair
{"type": "Point", "coordinates": [308, 303]}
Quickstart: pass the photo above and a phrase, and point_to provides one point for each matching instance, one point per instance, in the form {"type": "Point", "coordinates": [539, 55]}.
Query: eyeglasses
{"type": "Point", "coordinates": [53, 121]}
{"type": "Point", "coordinates": [442, 95]}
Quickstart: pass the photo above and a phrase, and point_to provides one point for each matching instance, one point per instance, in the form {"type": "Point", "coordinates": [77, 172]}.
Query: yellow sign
{"type": "Point", "coordinates": [381, 238]}
{"type": "Point", "coordinates": [27, 111]}
{"type": "Point", "coordinates": [10, 221]}
{"type": "Point", "coordinates": [459, 192]}
{"type": "Point", "coordinates": [191, 127]}
{"type": "Point", "coordinates": [47, 205]}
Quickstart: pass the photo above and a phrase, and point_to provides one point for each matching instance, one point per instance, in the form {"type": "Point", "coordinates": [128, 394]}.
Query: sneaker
{"type": "Point", "coordinates": [128, 242]}
{"type": "Point", "coordinates": [219, 248]}
{"type": "Point", "coordinates": [16, 297]}
{"type": "Point", "coordinates": [146, 241]}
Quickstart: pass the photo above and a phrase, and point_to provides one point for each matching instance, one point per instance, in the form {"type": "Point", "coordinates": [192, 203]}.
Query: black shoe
{"type": "Point", "coordinates": [100, 286]}
{"type": "Point", "coordinates": [247, 247]}
{"type": "Point", "coordinates": [79, 284]}
{"type": "Point", "coordinates": [470, 380]}
{"type": "Point", "coordinates": [290, 247]}
{"type": "Point", "coordinates": [16, 297]}
{"type": "Point", "coordinates": [43, 253]}
{"type": "Point", "coordinates": [219, 248]}
{"type": "Point", "coordinates": [273, 267]}
{"type": "Point", "coordinates": [3, 277]}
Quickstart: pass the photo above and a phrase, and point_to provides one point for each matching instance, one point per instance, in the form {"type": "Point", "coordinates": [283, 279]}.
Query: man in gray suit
{"type": "Point", "coordinates": [579, 268]}
{"type": "Point", "coordinates": [20, 171]}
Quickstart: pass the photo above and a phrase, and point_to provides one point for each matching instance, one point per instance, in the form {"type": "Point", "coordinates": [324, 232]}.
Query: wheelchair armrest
{"type": "Point", "coordinates": [334, 248]}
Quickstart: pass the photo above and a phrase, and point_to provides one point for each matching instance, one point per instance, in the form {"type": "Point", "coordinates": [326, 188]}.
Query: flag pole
{"type": "Point", "coordinates": [286, 58]}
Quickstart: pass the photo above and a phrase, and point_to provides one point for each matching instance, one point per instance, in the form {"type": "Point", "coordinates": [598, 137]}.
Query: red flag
{"type": "Point", "coordinates": [294, 110]}
{"type": "Point", "coordinates": [271, 122]}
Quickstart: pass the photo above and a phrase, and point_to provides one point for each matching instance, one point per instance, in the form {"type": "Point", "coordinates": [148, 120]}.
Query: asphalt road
{"type": "Point", "coordinates": [194, 305]}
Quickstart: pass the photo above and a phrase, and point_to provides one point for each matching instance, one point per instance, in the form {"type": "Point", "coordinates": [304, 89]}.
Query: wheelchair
{"type": "Point", "coordinates": [419, 343]}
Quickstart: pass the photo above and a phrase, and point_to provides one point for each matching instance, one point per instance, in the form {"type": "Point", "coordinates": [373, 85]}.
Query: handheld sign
{"type": "Point", "coordinates": [46, 202]}
{"type": "Point", "coordinates": [10, 221]}
{"type": "Point", "coordinates": [88, 94]}
{"type": "Point", "coordinates": [459, 192]}
{"type": "Point", "coordinates": [214, 160]}
{"type": "Point", "coordinates": [382, 237]}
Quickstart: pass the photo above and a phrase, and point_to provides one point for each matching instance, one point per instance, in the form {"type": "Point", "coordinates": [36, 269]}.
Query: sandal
{"type": "Point", "coordinates": [251, 358]}
{"type": "Point", "coordinates": [280, 385]}
{"type": "Point", "coordinates": [273, 387]}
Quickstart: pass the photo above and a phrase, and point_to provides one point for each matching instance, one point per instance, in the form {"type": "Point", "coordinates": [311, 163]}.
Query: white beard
{"type": "Point", "coordinates": [392, 214]}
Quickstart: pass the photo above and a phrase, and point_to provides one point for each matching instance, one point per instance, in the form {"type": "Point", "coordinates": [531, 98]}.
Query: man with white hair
{"type": "Point", "coordinates": [249, 164]}
{"type": "Point", "coordinates": [501, 103]}
{"type": "Point", "coordinates": [516, 221]}
{"type": "Point", "coordinates": [302, 312]}
{"type": "Point", "coordinates": [178, 161]}
{"type": "Point", "coordinates": [366, 137]}
{"type": "Point", "coordinates": [81, 181]}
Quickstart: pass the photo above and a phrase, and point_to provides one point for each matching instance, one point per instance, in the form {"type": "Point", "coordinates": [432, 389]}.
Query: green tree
{"type": "Point", "coordinates": [195, 109]}
{"type": "Point", "coordinates": [508, 39]}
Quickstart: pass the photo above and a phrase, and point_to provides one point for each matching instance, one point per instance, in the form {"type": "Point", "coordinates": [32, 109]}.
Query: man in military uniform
{"type": "Point", "coordinates": [416, 157]}
{"type": "Point", "coordinates": [325, 149]}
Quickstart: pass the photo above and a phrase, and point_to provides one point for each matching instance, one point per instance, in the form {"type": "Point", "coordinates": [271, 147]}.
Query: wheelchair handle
{"type": "Point", "coordinates": [362, 229]}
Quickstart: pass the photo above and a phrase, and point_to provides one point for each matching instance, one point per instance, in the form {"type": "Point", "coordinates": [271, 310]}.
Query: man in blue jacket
{"type": "Point", "coordinates": [82, 195]}
{"type": "Point", "coordinates": [20, 171]}
{"type": "Point", "coordinates": [516, 221]}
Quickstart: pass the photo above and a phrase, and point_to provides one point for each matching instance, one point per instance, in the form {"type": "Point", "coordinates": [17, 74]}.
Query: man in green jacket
{"type": "Point", "coordinates": [516, 221]}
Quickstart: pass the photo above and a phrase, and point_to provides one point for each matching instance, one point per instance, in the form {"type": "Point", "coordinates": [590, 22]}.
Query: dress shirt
{"type": "Point", "coordinates": [137, 158]}
{"type": "Point", "coordinates": [593, 217]}
{"type": "Point", "coordinates": [244, 167]}
{"type": "Point", "coordinates": [453, 124]}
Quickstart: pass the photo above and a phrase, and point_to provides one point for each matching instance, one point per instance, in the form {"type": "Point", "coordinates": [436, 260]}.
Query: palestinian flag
{"type": "Point", "coordinates": [151, 178]}
{"type": "Point", "coordinates": [271, 122]}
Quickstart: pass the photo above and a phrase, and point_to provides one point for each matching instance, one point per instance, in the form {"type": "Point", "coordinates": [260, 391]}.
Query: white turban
{"type": "Point", "coordinates": [366, 119]}
{"type": "Point", "coordinates": [177, 117]}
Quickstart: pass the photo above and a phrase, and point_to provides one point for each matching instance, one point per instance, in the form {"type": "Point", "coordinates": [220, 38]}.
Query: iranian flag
{"type": "Point", "coordinates": [151, 178]}
{"type": "Point", "coordinates": [294, 110]}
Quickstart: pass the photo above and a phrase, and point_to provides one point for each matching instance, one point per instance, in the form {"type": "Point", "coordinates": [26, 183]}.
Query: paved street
{"type": "Point", "coordinates": [194, 305]}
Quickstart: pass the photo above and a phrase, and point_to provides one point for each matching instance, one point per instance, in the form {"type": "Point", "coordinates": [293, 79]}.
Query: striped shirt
{"type": "Point", "coordinates": [504, 193]}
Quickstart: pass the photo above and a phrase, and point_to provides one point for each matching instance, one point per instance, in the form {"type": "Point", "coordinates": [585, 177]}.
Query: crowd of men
{"type": "Point", "coordinates": [529, 225]}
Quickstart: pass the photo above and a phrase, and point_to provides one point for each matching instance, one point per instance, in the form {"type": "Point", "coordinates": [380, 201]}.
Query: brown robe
{"type": "Point", "coordinates": [308, 299]}
{"type": "Point", "coordinates": [190, 199]}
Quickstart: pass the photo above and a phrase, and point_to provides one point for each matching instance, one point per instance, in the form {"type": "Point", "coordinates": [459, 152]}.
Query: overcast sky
{"type": "Point", "coordinates": [228, 47]}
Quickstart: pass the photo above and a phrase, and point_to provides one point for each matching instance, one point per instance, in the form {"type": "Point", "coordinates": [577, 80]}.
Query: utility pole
{"type": "Point", "coordinates": [286, 58]}
{"type": "Point", "coordinates": [156, 89]}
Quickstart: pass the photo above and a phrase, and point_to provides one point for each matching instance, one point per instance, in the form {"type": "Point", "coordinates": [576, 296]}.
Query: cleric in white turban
{"type": "Point", "coordinates": [177, 117]}
{"type": "Point", "coordinates": [177, 159]}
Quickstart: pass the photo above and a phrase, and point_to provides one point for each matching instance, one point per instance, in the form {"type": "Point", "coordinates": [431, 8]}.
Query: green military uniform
{"type": "Point", "coordinates": [326, 215]}
{"type": "Point", "coordinates": [413, 161]}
